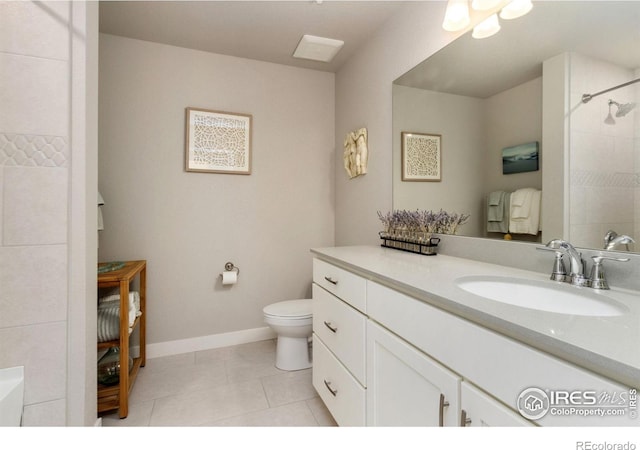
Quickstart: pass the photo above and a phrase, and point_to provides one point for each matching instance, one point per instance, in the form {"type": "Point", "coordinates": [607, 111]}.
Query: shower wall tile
{"type": "Point", "coordinates": [33, 150]}
{"type": "Point", "coordinates": [34, 95]}
{"type": "Point", "coordinates": [46, 414]}
{"type": "Point", "coordinates": [35, 206]}
{"type": "Point", "coordinates": [35, 28]}
{"type": "Point", "coordinates": [42, 350]}
{"type": "Point", "coordinates": [34, 287]}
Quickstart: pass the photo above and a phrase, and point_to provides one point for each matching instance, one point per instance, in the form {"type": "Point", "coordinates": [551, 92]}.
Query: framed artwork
{"type": "Point", "coordinates": [520, 158]}
{"type": "Point", "coordinates": [421, 157]}
{"type": "Point", "coordinates": [217, 142]}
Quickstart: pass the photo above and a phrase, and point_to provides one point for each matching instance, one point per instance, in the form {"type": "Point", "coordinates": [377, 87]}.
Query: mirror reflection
{"type": "Point", "coordinates": [495, 101]}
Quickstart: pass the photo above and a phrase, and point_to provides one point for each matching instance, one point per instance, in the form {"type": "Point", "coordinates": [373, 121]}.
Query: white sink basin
{"type": "Point", "coordinates": [11, 396]}
{"type": "Point", "coordinates": [543, 296]}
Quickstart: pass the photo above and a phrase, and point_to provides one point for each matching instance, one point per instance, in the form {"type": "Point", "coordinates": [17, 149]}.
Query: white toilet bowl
{"type": "Point", "coordinates": [292, 322]}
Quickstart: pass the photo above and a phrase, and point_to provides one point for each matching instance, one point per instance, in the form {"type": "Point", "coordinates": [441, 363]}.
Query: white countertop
{"type": "Point", "coordinates": [609, 346]}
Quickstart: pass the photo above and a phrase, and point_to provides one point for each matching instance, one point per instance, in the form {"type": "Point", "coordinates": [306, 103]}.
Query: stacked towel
{"type": "Point", "coordinates": [109, 315]}
{"type": "Point", "coordinates": [524, 214]}
{"type": "Point", "coordinates": [498, 212]}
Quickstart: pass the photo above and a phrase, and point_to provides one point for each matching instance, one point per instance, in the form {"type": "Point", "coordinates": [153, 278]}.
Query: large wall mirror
{"type": "Point", "coordinates": [523, 86]}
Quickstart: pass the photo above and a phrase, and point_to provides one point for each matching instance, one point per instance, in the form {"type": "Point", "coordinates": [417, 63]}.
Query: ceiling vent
{"type": "Point", "coordinates": [317, 48]}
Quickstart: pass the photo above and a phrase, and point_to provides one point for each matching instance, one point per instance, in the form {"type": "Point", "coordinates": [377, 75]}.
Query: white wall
{"type": "Point", "coordinates": [45, 170]}
{"type": "Point", "coordinates": [603, 174]}
{"type": "Point", "coordinates": [188, 225]}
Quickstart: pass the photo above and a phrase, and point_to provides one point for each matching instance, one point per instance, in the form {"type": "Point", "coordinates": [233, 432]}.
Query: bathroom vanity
{"type": "Point", "coordinates": [398, 341]}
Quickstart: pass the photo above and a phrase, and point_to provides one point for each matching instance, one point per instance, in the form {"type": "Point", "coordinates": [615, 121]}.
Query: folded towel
{"type": "Point", "coordinates": [495, 206]}
{"type": "Point", "coordinates": [502, 225]}
{"type": "Point", "coordinates": [495, 198]}
{"type": "Point", "coordinates": [521, 203]}
{"type": "Point", "coordinates": [109, 315]}
{"type": "Point", "coordinates": [529, 224]}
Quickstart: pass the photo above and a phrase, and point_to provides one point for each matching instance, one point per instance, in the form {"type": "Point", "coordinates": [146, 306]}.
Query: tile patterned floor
{"type": "Point", "coordinates": [230, 386]}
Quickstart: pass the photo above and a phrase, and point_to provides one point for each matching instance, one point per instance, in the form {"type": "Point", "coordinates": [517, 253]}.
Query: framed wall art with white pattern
{"type": "Point", "coordinates": [218, 142]}
{"type": "Point", "coordinates": [421, 157]}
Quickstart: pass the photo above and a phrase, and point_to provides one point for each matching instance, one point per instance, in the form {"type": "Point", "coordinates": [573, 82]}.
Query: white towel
{"type": "Point", "coordinates": [526, 221]}
{"type": "Point", "coordinates": [109, 315]}
{"type": "Point", "coordinates": [521, 203]}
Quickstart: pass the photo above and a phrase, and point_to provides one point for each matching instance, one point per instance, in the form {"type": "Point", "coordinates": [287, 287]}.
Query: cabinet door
{"type": "Point", "coordinates": [405, 387]}
{"type": "Point", "coordinates": [480, 410]}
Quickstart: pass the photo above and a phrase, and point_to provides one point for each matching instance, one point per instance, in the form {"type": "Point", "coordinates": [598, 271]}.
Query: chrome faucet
{"type": "Point", "coordinates": [612, 240]}
{"type": "Point", "coordinates": [576, 263]}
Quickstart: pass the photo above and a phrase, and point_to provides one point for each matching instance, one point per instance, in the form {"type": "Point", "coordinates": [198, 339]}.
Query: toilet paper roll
{"type": "Point", "coordinates": [229, 277]}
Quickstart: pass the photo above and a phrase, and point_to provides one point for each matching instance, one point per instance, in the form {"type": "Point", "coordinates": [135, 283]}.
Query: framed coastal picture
{"type": "Point", "coordinates": [217, 142]}
{"type": "Point", "coordinates": [520, 158]}
{"type": "Point", "coordinates": [421, 157]}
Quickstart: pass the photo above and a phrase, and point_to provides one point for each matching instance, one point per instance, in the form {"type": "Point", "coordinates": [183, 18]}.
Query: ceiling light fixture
{"type": "Point", "coordinates": [317, 48]}
{"type": "Point", "coordinates": [456, 17]}
{"type": "Point", "coordinates": [484, 5]}
{"type": "Point", "coordinates": [488, 27]}
{"type": "Point", "coordinates": [515, 9]}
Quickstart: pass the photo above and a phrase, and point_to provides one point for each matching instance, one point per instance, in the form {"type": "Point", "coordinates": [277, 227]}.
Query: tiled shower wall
{"type": "Point", "coordinates": [34, 181]}
{"type": "Point", "coordinates": [604, 170]}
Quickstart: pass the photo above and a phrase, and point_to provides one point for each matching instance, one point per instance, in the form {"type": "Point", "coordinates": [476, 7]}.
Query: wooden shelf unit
{"type": "Point", "coordinates": [117, 397]}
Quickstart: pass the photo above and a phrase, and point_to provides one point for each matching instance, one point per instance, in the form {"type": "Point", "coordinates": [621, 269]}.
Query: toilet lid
{"type": "Point", "coordinates": [289, 308]}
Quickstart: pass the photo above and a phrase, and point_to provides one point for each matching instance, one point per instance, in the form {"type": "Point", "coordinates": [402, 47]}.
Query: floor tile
{"type": "Point", "coordinates": [197, 408]}
{"type": "Point", "coordinates": [321, 413]}
{"type": "Point", "coordinates": [291, 415]}
{"type": "Point", "coordinates": [288, 387]}
{"type": "Point", "coordinates": [139, 416]}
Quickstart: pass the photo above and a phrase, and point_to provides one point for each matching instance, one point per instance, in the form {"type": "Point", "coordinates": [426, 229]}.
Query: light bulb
{"type": "Point", "coordinates": [456, 17]}
{"type": "Point", "coordinates": [483, 5]}
{"type": "Point", "coordinates": [488, 27]}
{"type": "Point", "coordinates": [515, 9]}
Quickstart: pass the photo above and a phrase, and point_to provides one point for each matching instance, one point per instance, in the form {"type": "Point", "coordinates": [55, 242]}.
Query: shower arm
{"type": "Point", "coordinates": [587, 97]}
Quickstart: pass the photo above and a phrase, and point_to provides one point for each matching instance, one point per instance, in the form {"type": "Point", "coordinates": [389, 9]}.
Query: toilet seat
{"type": "Point", "coordinates": [289, 309]}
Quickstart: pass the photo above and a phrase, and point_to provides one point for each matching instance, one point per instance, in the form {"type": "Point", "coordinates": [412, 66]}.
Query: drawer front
{"type": "Point", "coordinates": [343, 284]}
{"type": "Point", "coordinates": [342, 329]}
{"type": "Point", "coordinates": [340, 392]}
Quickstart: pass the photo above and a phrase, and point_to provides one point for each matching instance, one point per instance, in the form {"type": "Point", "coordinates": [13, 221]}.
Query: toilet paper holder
{"type": "Point", "coordinates": [228, 267]}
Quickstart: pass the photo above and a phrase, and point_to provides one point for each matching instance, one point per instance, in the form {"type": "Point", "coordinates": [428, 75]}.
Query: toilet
{"type": "Point", "coordinates": [292, 322]}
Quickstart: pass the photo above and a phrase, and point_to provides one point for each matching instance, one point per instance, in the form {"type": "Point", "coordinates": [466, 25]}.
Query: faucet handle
{"type": "Point", "coordinates": [597, 278]}
{"type": "Point", "coordinates": [559, 272]}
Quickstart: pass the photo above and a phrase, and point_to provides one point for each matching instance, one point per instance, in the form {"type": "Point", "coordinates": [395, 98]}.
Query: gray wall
{"type": "Point", "coordinates": [364, 99]}
{"type": "Point", "coordinates": [188, 225]}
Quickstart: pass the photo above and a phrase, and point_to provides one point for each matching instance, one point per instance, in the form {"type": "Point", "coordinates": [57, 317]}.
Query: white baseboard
{"type": "Point", "coordinates": [206, 342]}
{"type": "Point", "coordinates": [98, 422]}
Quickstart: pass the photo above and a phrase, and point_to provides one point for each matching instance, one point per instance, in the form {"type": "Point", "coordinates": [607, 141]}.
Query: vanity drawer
{"type": "Point", "coordinates": [340, 392]}
{"type": "Point", "coordinates": [341, 283]}
{"type": "Point", "coordinates": [342, 329]}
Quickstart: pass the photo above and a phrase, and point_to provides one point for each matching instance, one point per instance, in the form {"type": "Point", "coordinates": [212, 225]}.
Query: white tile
{"type": "Point", "coordinates": [321, 413]}
{"type": "Point", "coordinates": [162, 382]}
{"type": "Point", "coordinates": [291, 415]}
{"type": "Point", "coordinates": [34, 285]}
{"type": "Point", "coordinates": [205, 406]}
{"type": "Point", "coordinates": [42, 350]}
{"type": "Point", "coordinates": [35, 205]}
{"type": "Point", "coordinates": [139, 416]}
{"type": "Point", "coordinates": [247, 352]}
{"type": "Point", "coordinates": [46, 414]}
{"type": "Point", "coordinates": [288, 387]}
{"type": "Point", "coordinates": [35, 28]}
{"type": "Point", "coordinates": [34, 94]}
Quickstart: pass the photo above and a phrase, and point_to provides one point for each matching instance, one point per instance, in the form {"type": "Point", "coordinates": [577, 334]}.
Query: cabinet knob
{"type": "Point", "coordinates": [331, 280]}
